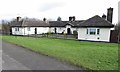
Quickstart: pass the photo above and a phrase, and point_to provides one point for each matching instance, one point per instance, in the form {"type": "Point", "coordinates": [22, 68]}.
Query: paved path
{"type": "Point", "coordinates": [18, 58]}
{"type": "Point", "coordinates": [0, 56]}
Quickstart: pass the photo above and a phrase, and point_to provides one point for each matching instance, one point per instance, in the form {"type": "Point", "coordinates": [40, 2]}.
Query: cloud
{"type": "Point", "coordinates": [50, 6]}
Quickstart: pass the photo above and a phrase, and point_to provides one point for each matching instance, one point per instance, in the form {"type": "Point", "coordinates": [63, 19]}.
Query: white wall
{"type": "Point", "coordinates": [20, 32]}
{"type": "Point", "coordinates": [72, 29]}
{"type": "Point", "coordinates": [61, 29]}
{"type": "Point", "coordinates": [103, 36]}
{"type": "Point", "coordinates": [41, 30]}
{"type": "Point", "coordinates": [58, 29]}
{"type": "Point", "coordinates": [24, 30]}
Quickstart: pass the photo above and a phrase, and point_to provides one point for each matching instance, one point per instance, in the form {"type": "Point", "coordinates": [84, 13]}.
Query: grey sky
{"type": "Point", "coordinates": [81, 9]}
{"type": "Point", "coordinates": [49, 6]}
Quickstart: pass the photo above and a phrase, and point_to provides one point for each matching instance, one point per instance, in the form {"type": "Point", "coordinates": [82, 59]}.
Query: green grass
{"type": "Point", "coordinates": [91, 55]}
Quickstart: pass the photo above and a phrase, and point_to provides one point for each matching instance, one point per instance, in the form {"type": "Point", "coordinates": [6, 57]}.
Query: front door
{"type": "Point", "coordinates": [35, 30]}
{"type": "Point", "coordinates": [10, 31]}
{"type": "Point", "coordinates": [68, 31]}
{"type": "Point", "coordinates": [55, 30]}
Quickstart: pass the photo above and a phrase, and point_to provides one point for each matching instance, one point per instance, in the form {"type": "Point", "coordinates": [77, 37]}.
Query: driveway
{"type": "Point", "coordinates": [18, 58]}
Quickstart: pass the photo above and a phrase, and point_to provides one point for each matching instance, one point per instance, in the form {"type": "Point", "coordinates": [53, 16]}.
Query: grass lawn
{"type": "Point", "coordinates": [90, 55]}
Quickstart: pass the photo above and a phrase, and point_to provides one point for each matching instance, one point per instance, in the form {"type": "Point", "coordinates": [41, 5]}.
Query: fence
{"type": "Point", "coordinates": [115, 36]}
{"type": "Point", "coordinates": [49, 35]}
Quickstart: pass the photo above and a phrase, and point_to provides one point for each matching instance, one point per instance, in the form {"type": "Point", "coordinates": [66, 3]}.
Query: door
{"type": "Point", "coordinates": [35, 30]}
{"type": "Point", "coordinates": [68, 31]}
{"type": "Point", "coordinates": [10, 31]}
{"type": "Point", "coordinates": [55, 30]}
{"type": "Point", "coordinates": [114, 36]}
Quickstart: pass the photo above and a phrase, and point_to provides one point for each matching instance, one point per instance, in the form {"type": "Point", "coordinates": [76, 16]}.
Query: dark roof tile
{"type": "Point", "coordinates": [35, 23]}
{"type": "Point", "coordinates": [96, 21]}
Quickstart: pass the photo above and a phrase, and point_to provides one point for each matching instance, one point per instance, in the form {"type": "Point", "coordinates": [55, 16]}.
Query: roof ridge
{"type": "Point", "coordinates": [23, 22]}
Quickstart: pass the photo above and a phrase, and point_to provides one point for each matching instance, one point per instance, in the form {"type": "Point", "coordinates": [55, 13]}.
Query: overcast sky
{"type": "Point", "coordinates": [51, 9]}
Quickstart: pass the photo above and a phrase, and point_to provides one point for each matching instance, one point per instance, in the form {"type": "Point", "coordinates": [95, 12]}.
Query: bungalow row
{"type": "Point", "coordinates": [95, 28]}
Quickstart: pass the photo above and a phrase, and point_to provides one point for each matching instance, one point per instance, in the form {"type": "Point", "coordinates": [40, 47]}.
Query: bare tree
{"type": "Point", "coordinates": [59, 19]}
{"type": "Point", "coordinates": [119, 32]}
{"type": "Point", "coordinates": [5, 27]}
{"type": "Point", "coordinates": [117, 26]}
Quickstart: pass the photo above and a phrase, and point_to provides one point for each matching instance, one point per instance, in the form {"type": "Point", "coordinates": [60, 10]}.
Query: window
{"type": "Point", "coordinates": [98, 31]}
{"type": "Point", "coordinates": [28, 28]}
{"type": "Point", "coordinates": [93, 31]}
{"type": "Point", "coordinates": [87, 31]}
{"type": "Point", "coordinates": [16, 29]}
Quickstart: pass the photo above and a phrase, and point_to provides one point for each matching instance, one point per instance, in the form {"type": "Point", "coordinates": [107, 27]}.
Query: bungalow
{"type": "Point", "coordinates": [29, 26]}
{"type": "Point", "coordinates": [95, 28]}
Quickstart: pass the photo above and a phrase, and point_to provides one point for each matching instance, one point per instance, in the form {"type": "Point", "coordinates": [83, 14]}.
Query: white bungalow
{"type": "Point", "coordinates": [28, 27]}
{"type": "Point", "coordinates": [93, 29]}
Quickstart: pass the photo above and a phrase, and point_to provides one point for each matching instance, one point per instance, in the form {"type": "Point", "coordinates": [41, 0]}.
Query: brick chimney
{"type": "Point", "coordinates": [70, 18]}
{"type": "Point", "coordinates": [44, 19]}
{"type": "Point", "coordinates": [109, 14]}
{"type": "Point", "coordinates": [73, 18]}
{"type": "Point", "coordinates": [104, 16]}
{"type": "Point", "coordinates": [18, 18]}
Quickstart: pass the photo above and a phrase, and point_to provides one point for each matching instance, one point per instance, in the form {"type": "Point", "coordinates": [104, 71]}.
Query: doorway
{"type": "Point", "coordinates": [55, 30]}
{"type": "Point", "coordinates": [10, 31]}
{"type": "Point", "coordinates": [35, 30]}
{"type": "Point", "coordinates": [68, 31]}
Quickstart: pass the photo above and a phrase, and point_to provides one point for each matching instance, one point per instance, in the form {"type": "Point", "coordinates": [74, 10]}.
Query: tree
{"type": "Point", "coordinates": [59, 19]}
{"type": "Point", "coordinates": [5, 27]}
{"type": "Point", "coordinates": [117, 26]}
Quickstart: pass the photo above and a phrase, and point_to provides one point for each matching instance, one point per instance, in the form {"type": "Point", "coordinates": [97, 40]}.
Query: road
{"type": "Point", "coordinates": [0, 55]}
{"type": "Point", "coordinates": [18, 58]}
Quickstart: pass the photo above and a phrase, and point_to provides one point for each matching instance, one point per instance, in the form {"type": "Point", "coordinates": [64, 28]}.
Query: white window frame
{"type": "Point", "coordinates": [16, 28]}
{"type": "Point", "coordinates": [96, 31]}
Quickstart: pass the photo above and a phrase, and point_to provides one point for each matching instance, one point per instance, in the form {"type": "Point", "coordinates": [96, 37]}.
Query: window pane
{"type": "Point", "coordinates": [98, 31]}
{"type": "Point", "coordinates": [92, 31]}
{"type": "Point", "coordinates": [15, 29]}
{"type": "Point", "coordinates": [18, 29]}
{"type": "Point", "coordinates": [87, 31]}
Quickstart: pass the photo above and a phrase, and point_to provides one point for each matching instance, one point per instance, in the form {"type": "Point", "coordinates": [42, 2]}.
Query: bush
{"type": "Point", "coordinates": [75, 33]}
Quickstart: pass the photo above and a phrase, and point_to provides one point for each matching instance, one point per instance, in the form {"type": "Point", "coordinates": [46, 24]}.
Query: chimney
{"type": "Point", "coordinates": [109, 14]}
{"type": "Point", "coordinates": [18, 19]}
{"type": "Point", "coordinates": [73, 18]}
{"type": "Point", "coordinates": [104, 16]}
{"type": "Point", "coordinates": [70, 18]}
{"type": "Point", "coordinates": [44, 19]}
